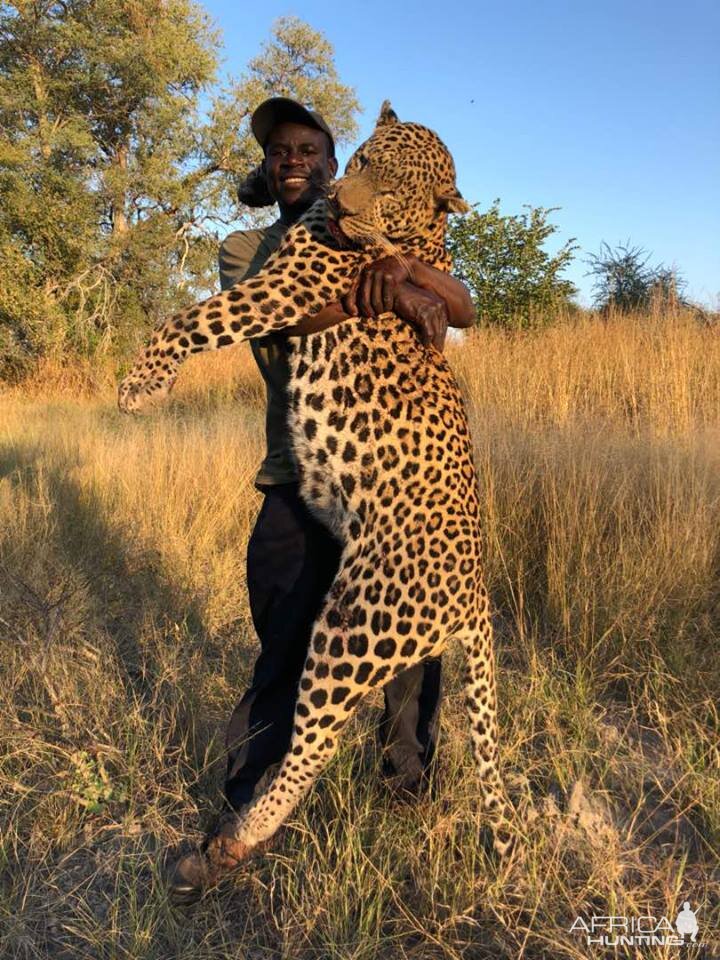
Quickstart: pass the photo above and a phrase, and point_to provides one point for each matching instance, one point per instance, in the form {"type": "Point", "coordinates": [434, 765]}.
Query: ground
{"type": "Point", "coordinates": [125, 639]}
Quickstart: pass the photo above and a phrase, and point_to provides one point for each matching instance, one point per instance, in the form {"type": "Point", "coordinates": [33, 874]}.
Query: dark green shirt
{"type": "Point", "coordinates": [242, 255]}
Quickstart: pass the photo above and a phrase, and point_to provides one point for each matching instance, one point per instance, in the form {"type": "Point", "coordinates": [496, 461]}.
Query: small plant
{"type": "Point", "coordinates": [89, 783]}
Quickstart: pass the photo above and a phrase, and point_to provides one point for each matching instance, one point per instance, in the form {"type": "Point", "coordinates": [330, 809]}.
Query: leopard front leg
{"type": "Point", "coordinates": [276, 299]}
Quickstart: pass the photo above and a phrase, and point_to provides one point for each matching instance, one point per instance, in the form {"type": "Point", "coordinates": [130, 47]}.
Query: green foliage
{"type": "Point", "coordinates": [514, 281]}
{"type": "Point", "coordinates": [624, 280]}
{"type": "Point", "coordinates": [90, 785]}
{"type": "Point", "coordinates": [113, 175]}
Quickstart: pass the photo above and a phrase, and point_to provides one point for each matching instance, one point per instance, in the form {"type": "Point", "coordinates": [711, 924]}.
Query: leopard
{"type": "Point", "coordinates": [381, 437]}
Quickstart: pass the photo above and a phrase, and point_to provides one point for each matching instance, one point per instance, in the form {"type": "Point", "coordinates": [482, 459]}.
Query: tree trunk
{"type": "Point", "coordinates": [118, 214]}
{"type": "Point", "coordinates": [38, 83]}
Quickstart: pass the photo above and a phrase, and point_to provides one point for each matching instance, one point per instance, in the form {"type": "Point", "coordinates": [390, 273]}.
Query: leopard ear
{"type": "Point", "coordinates": [387, 115]}
{"type": "Point", "coordinates": [453, 202]}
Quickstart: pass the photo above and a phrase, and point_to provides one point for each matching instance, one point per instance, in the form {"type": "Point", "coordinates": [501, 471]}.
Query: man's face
{"type": "Point", "coordinates": [297, 165]}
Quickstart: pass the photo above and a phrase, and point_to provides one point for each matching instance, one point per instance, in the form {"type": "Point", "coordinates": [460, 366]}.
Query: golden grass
{"type": "Point", "coordinates": [125, 640]}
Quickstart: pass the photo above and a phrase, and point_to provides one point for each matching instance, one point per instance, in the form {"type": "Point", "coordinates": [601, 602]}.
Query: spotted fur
{"type": "Point", "coordinates": [382, 439]}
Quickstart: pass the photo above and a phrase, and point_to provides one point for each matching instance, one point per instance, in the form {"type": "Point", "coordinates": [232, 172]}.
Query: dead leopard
{"type": "Point", "coordinates": [381, 435]}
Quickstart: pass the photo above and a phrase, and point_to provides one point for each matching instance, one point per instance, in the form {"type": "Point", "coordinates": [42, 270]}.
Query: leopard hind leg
{"type": "Point", "coordinates": [335, 677]}
{"type": "Point", "coordinates": [359, 642]}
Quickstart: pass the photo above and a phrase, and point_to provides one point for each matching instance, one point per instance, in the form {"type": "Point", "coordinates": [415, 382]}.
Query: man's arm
{"type": "Point", "coordinates": [423, 308]}
{"type": "Point", "coordinates": [459, 303]}
{"type": "Point", "coordinates": [326, 317]}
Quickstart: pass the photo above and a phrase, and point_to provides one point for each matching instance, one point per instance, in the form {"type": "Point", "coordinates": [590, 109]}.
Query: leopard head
{"type": "Point", "coordinates": [399, 185]}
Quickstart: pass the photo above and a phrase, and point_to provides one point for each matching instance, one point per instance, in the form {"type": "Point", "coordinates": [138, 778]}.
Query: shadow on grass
{"type": "Point", "coordinates": [126, 585]}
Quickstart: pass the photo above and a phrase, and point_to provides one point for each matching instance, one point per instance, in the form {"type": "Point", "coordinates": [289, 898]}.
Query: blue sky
{"type": "Point", "coordinates": [609, 110]}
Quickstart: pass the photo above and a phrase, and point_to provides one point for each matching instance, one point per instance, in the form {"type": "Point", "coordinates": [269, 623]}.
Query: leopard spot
{"type": "Point", "coordinates": [363, 671]}
{"type": "Point", "coordinates": [385, 649]}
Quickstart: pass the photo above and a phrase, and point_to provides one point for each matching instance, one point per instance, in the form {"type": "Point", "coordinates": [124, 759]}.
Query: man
{"type": "Point", "coordinates": [292, 559]}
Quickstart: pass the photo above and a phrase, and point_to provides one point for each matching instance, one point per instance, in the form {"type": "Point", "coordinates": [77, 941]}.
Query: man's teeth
{"type": "Point", "coordinates": [295, 179]}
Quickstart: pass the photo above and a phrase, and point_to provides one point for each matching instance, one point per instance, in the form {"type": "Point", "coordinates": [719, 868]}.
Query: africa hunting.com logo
{"type": "Point", "coordinates": [643, 931]}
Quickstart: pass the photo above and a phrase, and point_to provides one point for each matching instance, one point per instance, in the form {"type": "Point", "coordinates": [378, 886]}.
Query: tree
{"type": "Point", "coordinates": [625, 281]}
{"type": "Point", "coordinates": [514, 281]}
{"type": "Point", "coordinates": [113, 179]}
{"type": "Point", "coordinates": [96, 98]}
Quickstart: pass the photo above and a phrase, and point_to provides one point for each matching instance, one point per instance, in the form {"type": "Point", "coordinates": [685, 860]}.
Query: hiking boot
{"type": "Point", "coordinates": [411, 788]}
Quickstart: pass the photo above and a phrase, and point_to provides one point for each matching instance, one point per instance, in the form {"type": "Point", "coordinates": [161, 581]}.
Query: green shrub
{"type": "Point", "coordinates": [514, 281]}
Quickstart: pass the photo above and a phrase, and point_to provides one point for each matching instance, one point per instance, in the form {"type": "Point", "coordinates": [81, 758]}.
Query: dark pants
{"type": "Point", "coordinates": [292, 561]}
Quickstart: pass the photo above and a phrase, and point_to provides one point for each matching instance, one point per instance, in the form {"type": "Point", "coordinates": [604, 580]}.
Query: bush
{"type": "Point", "coordinates": [624, 280]}
{"type": "Point", "coordinates": [513, 279]}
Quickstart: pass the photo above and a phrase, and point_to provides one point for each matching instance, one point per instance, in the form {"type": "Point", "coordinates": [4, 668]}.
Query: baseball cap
{"type": "Point", "coordinates": [283, 110]}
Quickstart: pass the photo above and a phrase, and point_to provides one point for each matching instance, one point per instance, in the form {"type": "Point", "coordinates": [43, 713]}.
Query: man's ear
{"type": "Point", "coordinates": [387, 115]}
{"type": "Point", "coordinates": [453, 202]}
{"type": "Point", "coordinates": [333, 166]}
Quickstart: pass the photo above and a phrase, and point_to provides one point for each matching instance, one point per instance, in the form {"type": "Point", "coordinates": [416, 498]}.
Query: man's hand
{"type": "Point", "coordinates": [376, 288]}
{"type": "Point", "coordinates": [427, 311]}
{"type": "Point", "coordinates": [385, 286]}
{"type": "Point", "coordinates": [415, 291]}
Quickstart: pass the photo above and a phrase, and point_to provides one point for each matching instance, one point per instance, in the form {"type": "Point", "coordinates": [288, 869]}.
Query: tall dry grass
{"type": "Point", "coordinates": [126, 640]}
